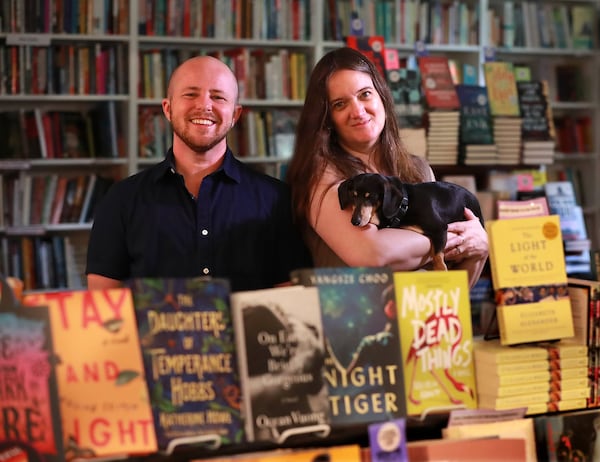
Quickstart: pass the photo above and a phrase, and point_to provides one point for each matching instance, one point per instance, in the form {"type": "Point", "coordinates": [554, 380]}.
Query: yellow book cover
{"type": "Point", "coordinates": [529, 276]}
{"type": "Point", "coordinates": [434, 318]}
{"type": "Point", "coordinates": [502, 88]}
{"type": "Point", "coordinates": [556, 406]}
{"type": "Point", "coordinates": [492, 352]}
{"type": "Point", "coordinates": [104, 403]}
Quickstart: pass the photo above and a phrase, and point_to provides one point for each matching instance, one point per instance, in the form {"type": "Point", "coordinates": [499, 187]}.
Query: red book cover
{"type": "Point", "coordinates": [437, 83]}
{"type": "Point", "coordinates": [372, 47]}
{"type": "Point", "coordinates": [29, 415]}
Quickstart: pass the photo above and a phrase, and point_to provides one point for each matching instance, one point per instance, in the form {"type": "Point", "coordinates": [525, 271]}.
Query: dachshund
{"type": "Point", "coordinates": [427, 208]}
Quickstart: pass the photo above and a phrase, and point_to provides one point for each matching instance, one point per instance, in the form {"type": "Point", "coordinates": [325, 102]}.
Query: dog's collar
{"type": "Point", "coordinates": [402, 208]}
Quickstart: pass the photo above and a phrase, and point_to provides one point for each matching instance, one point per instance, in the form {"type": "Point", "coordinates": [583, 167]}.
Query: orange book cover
{"type": "Point", "coordinates": [104, 403]}
{"type": "Point", "coordinates": [434, 318]}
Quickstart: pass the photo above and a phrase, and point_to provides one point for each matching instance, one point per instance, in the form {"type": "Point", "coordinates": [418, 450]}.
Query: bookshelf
{"type": "Point", "coordinates": [144, 49]}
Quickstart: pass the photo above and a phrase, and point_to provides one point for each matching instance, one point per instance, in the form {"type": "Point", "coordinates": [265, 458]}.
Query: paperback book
{"type": "Point", "coordinates": [100, 372]}
{"type": "Point", "coordinates": [434, 320]}
{"type": "Point", "coordinates": [187, 341]}
{"type": "Point", "coordinates": [363, 364]}
{"type": "Point", "coordinates": [279, 340]}
{"type": "Point", "coordinates": [29, 413]}
{"type": "Point", "coordinates": [530, 281]}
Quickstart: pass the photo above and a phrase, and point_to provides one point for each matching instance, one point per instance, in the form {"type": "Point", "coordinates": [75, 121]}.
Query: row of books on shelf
{"type": "Point", "coordinates": [261, 74]}
{"type": "Point", "coordinates": [71, 17]}
{"type": "Point", "coordinates": [42, 262]}
{"type": "Point", "coordinates": [39, 200]}
{"type": "Point", "coordinates": [197, 363]}
{"type": "Point", "coordinates": [63, 69]}
{"type": "Point", "coordinates": [226, 19]}
{"type": "Point", "coordinates": [404, 21]}
{"type": "Point", "coordinates": [47, 134]}
{"type": "Point", "coordinates": [533, 25]}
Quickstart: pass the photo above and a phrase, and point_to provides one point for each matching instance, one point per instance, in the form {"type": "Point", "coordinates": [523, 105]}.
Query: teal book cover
{"type": "Point", "coordinates": [363, 363]}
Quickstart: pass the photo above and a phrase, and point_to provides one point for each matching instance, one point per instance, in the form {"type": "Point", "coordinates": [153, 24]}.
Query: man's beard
{"type": "Point", "coordinates": [198, 148]}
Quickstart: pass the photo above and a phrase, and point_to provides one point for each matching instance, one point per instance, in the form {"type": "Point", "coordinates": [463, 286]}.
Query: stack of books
{"type": "Point", "coordinates": [507, 136]}
{"type": "Point", "coordinates": [443, 137]}
{"type": "Point", "coordinates": [543, 377]}
{"type": "Point", "coordinates": [538, 152]}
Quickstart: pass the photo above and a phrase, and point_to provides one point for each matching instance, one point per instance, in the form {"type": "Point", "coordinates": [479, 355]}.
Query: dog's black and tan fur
{"type": "Point", "coordinates": [424, 207]}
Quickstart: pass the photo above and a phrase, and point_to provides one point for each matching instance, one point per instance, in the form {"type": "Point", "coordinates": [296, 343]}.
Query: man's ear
{"type": "Point", "coordinates": [344, 194]}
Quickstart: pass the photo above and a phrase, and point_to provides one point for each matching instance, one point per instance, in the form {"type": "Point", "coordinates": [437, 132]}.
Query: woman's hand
{"type": "Point", "coordinates": [467, 245]}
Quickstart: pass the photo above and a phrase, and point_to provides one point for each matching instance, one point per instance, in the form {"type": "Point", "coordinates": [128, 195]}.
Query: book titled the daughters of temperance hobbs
{"type": "Point", "coordinates": [530, 280]}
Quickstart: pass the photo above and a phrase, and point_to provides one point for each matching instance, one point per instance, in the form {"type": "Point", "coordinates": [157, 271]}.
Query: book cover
{"type": "Point", "coordinates": [434, 320]}
{"type": "Point", "coordinates": [373, 47]}
{"type": "Point", "coordinates": [30, 419]}
{"type": "Point", "coordinates": [104, 404]}
{"type": "Point", "coordinates": [568, 436]}
{"type": "Point", "coordinates": [465, 449]}
{"type": "Point", "coordinates": [530, 280]}
{"type": "Point", "coordinates": [363, 366]}
{"type": "Point", "coordinates": [475, 118]}
{"type": "Point", "coordinates": [522, 428]}
{"type": "Point", "coordinates": [187, 341]}
{"type": "Point", "coordinates": [387, 441]}
{"type": "Point", "coordinates": [437, 84]}
{"type": "Point", "coordinates": [533, 105]}
{"type": "Point", "coordinates": [281, 352]}
{"type": "Point", "coordinates": [502, 88]}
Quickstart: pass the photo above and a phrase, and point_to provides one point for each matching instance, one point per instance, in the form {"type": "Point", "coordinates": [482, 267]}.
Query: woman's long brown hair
{"type": "Point", "coordinates": [316, 144]}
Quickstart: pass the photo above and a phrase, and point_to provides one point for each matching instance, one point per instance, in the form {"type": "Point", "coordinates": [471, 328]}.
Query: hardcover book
{"type": "Point", "coordinates": [436, 81]}
{"type": "Point", "coordinates": [363, 363]}
{"type": "Point", "coordinates": [280, 345]}
{"type": "Point", "coordinates": [104, 403]}
{"type": "Point", "coordinates": [529, 277]}
{"type": "Point", "coordinates": [475, 119]}
{"type": "Point", "coordinates": [434, 320]}
{"type": "Point", "coordinates": [30, 419]}
{"type": "Point", "coordinates": [373, 47]}
{"type": "Point", "coordinates": [502, 88]}
{"type": "Point", "coordinates": [534, 108]}
{"type": "Point", "coordinates": [187, 340]}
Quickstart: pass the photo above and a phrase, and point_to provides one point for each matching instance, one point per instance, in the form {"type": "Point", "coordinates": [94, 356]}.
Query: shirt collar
{"type": "Point", "coordinates": [231, 167]}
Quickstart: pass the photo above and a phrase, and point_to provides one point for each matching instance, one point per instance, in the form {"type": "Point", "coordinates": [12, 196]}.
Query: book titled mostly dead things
{"type": "Point", "coordinates": [434, 318]}
{"type": "Point", "coordinates": [188, 349]}
{"type": "Point", "coordinates": [363, 362]}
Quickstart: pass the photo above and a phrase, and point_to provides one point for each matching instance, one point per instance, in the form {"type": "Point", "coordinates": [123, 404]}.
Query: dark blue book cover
{"type": "Point", "coordinates": [475, 119]}
{"type": "Point", "coordinates": [190, 363]}
{"type": "Point", "coordinates": [363, 367]}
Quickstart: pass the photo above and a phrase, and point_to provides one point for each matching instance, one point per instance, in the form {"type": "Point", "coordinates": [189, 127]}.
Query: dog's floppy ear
{"type": "Point", "coordinates": [344, 193]}
{"type": "Point", "coordinates": [392, 196]}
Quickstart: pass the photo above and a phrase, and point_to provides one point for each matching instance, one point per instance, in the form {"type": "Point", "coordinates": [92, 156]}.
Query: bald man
{"type": "Point", "coordinates": [199, 212]}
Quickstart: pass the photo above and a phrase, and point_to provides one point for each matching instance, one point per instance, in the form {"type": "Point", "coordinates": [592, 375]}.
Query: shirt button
{"type": "Point", "coordinates": [205, 270]}
{"type": "Point", "coordinates": [205, 232]}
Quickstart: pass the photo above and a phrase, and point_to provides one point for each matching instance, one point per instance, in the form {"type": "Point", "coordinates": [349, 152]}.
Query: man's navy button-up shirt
{"type": "Point", "coordinates": [239, 227]}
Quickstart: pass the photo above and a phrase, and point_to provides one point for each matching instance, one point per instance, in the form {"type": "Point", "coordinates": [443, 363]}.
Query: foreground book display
{"type": "Point", "coordinates": [279, 341]}
{"type": "Point", "coordinates": [187, 341]}
{"type": "Point", "coordinates": [434, 318]}
{"type": "Point", "coordinates": [29, 415]}
{"type": "Point", "coordinates": [363, 364]}
{"type": "Point", "coordinates": [530, 280]}
{"type": "Point", "coordinates": [104, 403]}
